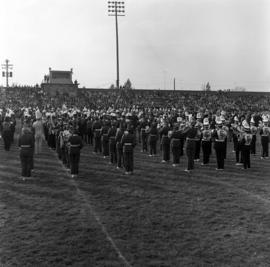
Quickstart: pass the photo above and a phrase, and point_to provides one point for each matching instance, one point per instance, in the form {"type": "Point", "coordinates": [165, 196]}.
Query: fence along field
{"type": "Point", "coordinates": [160, 216]}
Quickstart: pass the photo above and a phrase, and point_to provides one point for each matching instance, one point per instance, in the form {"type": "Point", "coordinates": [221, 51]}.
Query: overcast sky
{"type": "Point", "coordinates": [225, 42]}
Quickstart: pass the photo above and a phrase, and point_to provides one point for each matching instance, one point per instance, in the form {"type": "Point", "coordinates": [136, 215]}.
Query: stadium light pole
{"type": "Point", "coordinates": [116, 8]}
{"type": "Point", "coordinates": [6, 73]}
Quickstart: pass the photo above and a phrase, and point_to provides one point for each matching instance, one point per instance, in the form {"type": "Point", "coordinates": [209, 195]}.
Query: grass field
{"type": "Point", "coordinates": [160, 216]}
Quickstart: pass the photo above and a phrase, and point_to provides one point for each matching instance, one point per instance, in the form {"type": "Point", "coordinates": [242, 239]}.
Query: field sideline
{"type": "Point", "coordinates": [160, 216]}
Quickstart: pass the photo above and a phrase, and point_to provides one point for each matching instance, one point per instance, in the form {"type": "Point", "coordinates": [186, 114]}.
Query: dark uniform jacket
{"type": "Point", "coordinates": [26, 143]}
{"type": "Point", "coordinates": [75, 143]}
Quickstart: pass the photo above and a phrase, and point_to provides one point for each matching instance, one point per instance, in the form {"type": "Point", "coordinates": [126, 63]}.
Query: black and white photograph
{"type": "Point", "coordinates": [135, 133]}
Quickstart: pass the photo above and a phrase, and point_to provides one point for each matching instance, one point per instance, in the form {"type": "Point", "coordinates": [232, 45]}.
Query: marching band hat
{"type": "Point", "coordinates": [205, 121]}
{"type": "Point", "coordinates": [245, 125]}
{"type": "Point", "coordinates": [218, 121]}
{"type": "Point", "coordinates": [264, 118]}
{"type": "Point", "coordinates": [179, 119]}
{"type": "Point", "coordinates": [38, 114]}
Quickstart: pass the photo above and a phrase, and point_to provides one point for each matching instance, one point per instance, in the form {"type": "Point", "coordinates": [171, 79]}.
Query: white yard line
{"type": "Point", "coordinates": [95, 215]}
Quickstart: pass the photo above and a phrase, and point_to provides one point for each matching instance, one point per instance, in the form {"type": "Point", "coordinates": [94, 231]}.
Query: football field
{"type": "Point", "coordinates": [159, 216]}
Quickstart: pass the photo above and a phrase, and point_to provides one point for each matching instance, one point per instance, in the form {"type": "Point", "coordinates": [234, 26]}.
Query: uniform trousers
{"type": "Point", "coordinates": [265, 145]}
{"type": "Point", "coordinates": [139, 136]}
{"type": "Point", "coordinates": [63, 155]}
{"type": "Point", "coordinates": [246, 156]}
{"type": "Point", "coordinates": [105, 147]}
{"type": "Point", "coordinates": [112, 148]}
{"type": "Point", "coordinates": [225, 153]}
{"type": "Point", "coordinates": [220, 148]}
{"type": "Point", "coordinates": [7, 139]}
{"type": "Point", "coordinates": [38, 144]}
{"type": "Point", "coordinates": [176, 154]}
{"type": "Point", "coordinates": [67, 156]}
{"type": "Point", "coordinates": [190, 151]}
{"type": "Point", "coordinates": [235, 141]}
{"type": "Point", "coordinates": [51, 141]}
{"type": "Point", "coordinates": [119, 152]}
{"type": "Point", "coordinates": [206, 149]}
{"type": "Point", "coordinates": [166, 151]}
{"type": "Point", "coordinates": [144, 142]}
{"type": "Point", "coordinates": [89, 139]}
{"type": "Point", "coordinates": [182, 142]}
{"type": "Point", "coordinates": [153, 145]}
{"type": "Point", "coordinates": [197, 149]}
{"type": "Point", "coordinates": [74, 162]}
{"type": "Point", "coordinates": [97, 145]}
{"type": "Point", "coordinates": [237, 149]}
{"type": "Point", "coordinates": [128, 158]}
{"type": "Point", "coordinates": [26, 159]}
{"type": "Point", "coordinates": [253, 144]}
{"type": "Point", "coordinates": [32, 158]}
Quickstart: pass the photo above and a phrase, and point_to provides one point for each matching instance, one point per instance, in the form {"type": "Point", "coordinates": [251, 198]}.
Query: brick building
{"type": "Point", "coordinates": [59, 82]}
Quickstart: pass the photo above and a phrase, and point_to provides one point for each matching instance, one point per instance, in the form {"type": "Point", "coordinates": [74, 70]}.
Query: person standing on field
{"type": "Point", "coordinates": [206, 141]}
{"type": "Point", "coordinates": [39, 132]}
{"type": "Point", "coordinates": [246, 144]}
{"type": "Point", "coordinates": [219, 136]}
{"type": "Point", "coordinates": [265, 133]}
{"type": "Point", "coordinates": [191, 134]}
{"type": "Point", "coordinates": [128, 143]}
{"type": "Point", "coordinates": [75, 144]}
{"type": "Point", "coordinates": [26, 146]}
{"type": "Point", "coordinates": [7, 133]}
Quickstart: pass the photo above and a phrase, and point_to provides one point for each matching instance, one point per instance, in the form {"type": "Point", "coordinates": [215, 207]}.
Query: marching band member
{"type": "Point", "coordinates": [191, 134]}
{"type": "Point", "coordinates": [234, 127]}
{"type": "Point", "coordinates": [105, 138]}
{"type": "Point", "coordinates": [175, 136]}
{"type": "Point", "coordinates": [199, 126]}
{"type": "Point", "coordinates": [128, 143]}
{"type": "Point", "coordinates": [89, 130]}
{"type": "Point", "coordinates": [265, 132]}
{"type": "Point", "coordinates": [75, 145]}
{"type": "Point", "coordinates": [119, 148]}
{"type": "Point", "coordinates": [226, 129]}
{"type": "Point", "coordinates": [51, 131]}
{"type": "Point", "coordinates": [39, 132]}
{"type": "Point", "coordinates": [238, 148]}
{"type": "Point", "coordinates": [206, 141]}
{"type": "Point", "coordinates": [165, 142]}
{"type": "Point", "coordinates": [253, 131]}
{"type": "Point", "coordinates": [26, 145]}
{"type": "Point", "coordinates": [219, 136]}
{"type": "Point", "coordinates": [237, 136]}
{"type": "Point", "coordinates": [153, 137]}
{"type": "Point", "coordinates": [143, 126]}
{"type": "Point", "coordinates": [97, 135]}
{"type": "Point", "coordinates": [7, 133]}
{"type": "Point", "coordinates": [112, 142]}
{"type": "Point", "coordinates": [182, 137]}
{"type": "Point", "coordinates": [245, 144]}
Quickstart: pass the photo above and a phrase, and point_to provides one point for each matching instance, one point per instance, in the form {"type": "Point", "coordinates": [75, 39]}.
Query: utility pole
{"type": "Point", "coordinates": [116, 8]}
{"type": "Point", "coordinates": [6, 73]}
{"type": "Point", "coordinates": [174, 84]}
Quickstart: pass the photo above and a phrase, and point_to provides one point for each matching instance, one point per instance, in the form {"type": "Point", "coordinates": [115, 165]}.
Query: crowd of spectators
{"type": "Point", "coordinates": [192, 101]}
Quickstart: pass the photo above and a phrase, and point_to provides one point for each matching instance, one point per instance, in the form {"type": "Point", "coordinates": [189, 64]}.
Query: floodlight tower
{"type": "Point", "coordinates": [6, 73]}
{"type": "Point", "coordinates": [116, 8]}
